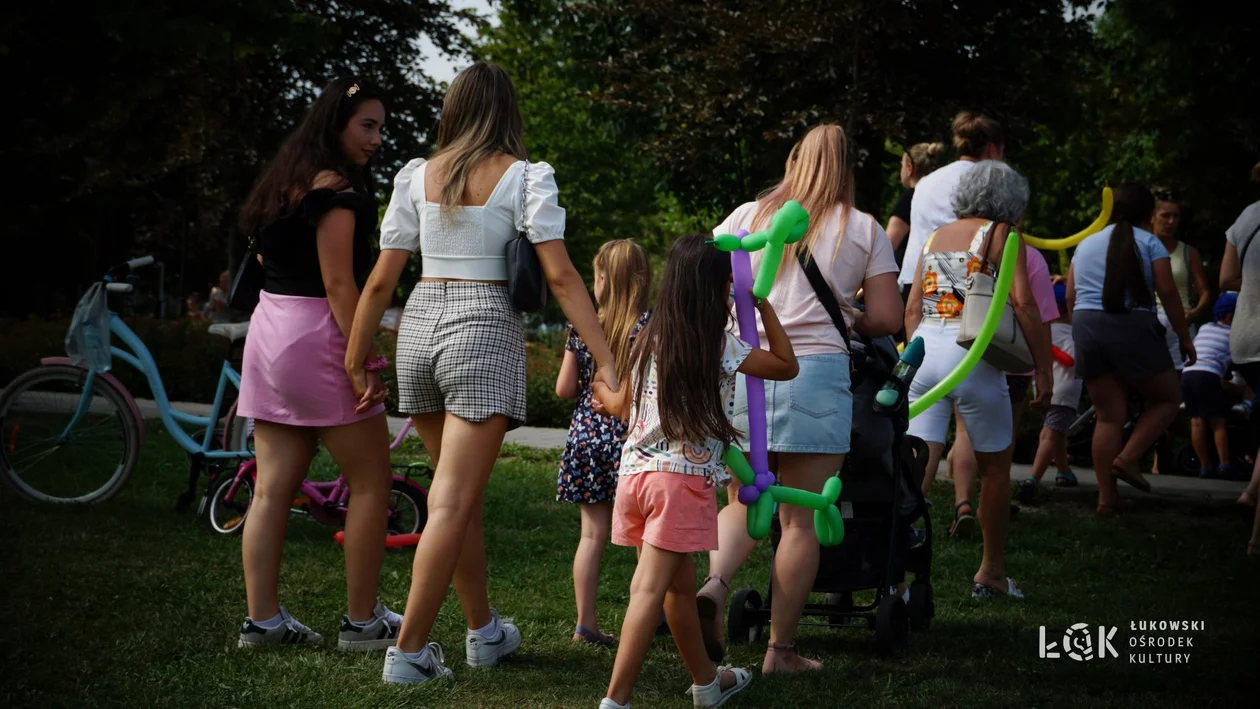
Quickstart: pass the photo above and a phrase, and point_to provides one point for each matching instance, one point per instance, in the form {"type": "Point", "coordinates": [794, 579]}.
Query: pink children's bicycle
{"type": "Point", "coordinates": [229, 498]}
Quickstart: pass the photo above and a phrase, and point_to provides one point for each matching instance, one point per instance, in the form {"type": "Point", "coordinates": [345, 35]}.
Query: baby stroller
{"type": "Point", "coordinates": [880, 500]}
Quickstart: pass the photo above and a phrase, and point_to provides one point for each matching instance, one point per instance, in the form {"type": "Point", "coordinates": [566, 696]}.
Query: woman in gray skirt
{"type": "Point", "coordinates": [461, 348]}
{"type": "Point", "coordinates": [1119, 340]}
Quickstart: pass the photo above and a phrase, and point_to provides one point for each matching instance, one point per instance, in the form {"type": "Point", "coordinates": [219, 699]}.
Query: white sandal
{"type": "Point", "coordinates": [712, 694]}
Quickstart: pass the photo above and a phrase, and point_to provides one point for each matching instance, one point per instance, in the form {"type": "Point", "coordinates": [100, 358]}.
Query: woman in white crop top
{"type": "Point", "coordinates": [461, 348]}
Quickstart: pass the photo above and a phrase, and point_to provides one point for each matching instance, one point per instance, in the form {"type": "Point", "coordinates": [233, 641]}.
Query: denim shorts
{"type": "Point", "coordinates": [812, 413]}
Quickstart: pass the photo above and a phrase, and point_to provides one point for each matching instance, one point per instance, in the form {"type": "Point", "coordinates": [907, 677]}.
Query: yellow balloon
{"type": "Point", "coordinates": [1108, 199]}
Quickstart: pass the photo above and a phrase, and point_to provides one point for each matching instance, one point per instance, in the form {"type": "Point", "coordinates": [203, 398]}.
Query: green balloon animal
{"type": "Point", "coordinates": [759, 493]}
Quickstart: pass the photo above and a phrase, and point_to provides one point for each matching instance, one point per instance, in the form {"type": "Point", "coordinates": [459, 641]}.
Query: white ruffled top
{"type": "Point", "coordinates": [469, 243]}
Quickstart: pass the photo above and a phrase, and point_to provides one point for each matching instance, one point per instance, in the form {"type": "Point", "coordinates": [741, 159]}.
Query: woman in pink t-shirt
{"type": "Point", "coordinates": [962, 458]}
{"type": "Point", "coordinates": [808, 419]}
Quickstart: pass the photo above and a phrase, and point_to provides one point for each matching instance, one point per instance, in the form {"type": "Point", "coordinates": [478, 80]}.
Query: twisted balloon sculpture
{"type": "Point", "coordinates": [758, 490]}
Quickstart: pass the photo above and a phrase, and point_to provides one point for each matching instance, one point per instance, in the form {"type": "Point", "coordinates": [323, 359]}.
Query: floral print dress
{"type": "Point", "coordinates": [592, 453]}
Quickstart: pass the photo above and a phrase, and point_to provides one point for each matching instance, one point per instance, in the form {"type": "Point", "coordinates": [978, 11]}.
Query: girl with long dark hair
{"type": "Point", "coordinates": [311, 217]}
{"type": "Point", "coordinates": [678, 405]}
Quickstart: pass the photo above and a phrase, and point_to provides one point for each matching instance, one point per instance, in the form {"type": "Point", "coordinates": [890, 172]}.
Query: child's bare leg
{"type": "Point", "coordinates": [1199, 439]}
{"type": "Point", "coordinates": [684, 620]}
{"type": "Point", "coordinates": [652, 578]}
{"type": "Point", "coordinates": [1221, 434]}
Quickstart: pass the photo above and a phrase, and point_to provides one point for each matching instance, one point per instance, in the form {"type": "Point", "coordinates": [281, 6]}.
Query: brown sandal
{"type": "Point", "coordinates": [1129, 472]}
{"type": "Point", "coordinates": [710, 612]}
{"type": "Point", "coordinates": [810, 665]}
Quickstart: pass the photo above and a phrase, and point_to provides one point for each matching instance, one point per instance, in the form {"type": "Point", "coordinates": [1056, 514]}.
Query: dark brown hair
{"type": "Point", "coordinates": [312, 147]}
{"type": "Point", "coordinates": [685, 337]}
{"type": "Point", "coordinates": [973, 132]}
{"type": "Point", "coordinates": [1124, 277]}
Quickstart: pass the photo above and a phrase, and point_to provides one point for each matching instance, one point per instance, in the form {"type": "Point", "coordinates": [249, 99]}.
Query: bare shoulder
{"type": "Point", "coordinates": [330, 180]}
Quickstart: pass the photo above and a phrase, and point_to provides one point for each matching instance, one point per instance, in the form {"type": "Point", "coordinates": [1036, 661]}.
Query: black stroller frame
{"type": "Point", "coordinates": [880, 500]}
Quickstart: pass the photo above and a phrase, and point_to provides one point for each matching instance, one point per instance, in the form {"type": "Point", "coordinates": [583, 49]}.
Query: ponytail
{"type": "Point", "coordinates": [1124, 285]}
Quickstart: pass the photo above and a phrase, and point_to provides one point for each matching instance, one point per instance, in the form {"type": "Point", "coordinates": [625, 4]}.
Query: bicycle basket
{"type": "Point", "coordinates": [87, 340]}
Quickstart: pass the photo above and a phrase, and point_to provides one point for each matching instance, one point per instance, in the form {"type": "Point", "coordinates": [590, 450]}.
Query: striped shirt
{"type": "Point", "coordinates": [1211, 346]}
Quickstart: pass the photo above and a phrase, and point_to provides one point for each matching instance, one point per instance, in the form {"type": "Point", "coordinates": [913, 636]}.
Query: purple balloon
{"type": "Point", "coordinates": [763, 481]}
{"type": "Point", "coordinates": [748, 495]}
{"type": "Point", "coordinates": [746, 315]}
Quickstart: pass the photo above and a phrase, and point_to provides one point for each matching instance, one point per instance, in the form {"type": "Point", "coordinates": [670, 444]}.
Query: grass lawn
{"type": "Point", "coordinates": [130, 603]}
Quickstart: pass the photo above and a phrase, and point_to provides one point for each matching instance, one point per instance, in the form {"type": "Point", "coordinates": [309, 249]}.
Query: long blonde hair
{"type": "Point", "coordinates": [628, 278]}
{"type": "Point", "coordinates": [480, 119]}
{"type": "Point", "coordinates": [818, 176]}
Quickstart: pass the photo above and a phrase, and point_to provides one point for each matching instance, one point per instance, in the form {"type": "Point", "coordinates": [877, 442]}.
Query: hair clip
{"type": "Point", "coordinates": [354, 89]}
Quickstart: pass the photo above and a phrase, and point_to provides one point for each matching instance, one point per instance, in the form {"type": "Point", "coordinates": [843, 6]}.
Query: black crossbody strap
{"type": "Point", "coordinates": [823, 291]}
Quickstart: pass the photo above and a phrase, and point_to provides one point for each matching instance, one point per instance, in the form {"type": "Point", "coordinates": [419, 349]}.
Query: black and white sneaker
{"type": "Point", "coordinates": [481, 651]}
{"type": "Point", "coordinates": [379, 633]}
{"type": "Point", "coordinates": [289, 632]}
{"type": "Point", "coordinates": [401, 670]}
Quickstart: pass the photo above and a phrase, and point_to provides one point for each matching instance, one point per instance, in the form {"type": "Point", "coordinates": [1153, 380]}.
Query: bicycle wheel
{"type": "Point", "coordinates": [238, 431]}
{"type": "Point", "coordinates": [408, 508]}
{"type": "Point", "coordinates": [45, 459]}
{"type": "Point", "coordinates": [229, 503]}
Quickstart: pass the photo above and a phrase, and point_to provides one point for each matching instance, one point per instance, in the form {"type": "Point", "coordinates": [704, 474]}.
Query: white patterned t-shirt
{"type": "Point", "coordinates": [647, 450]}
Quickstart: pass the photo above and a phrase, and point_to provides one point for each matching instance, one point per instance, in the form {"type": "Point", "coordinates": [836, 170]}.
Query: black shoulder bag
{"type": "Point", "coordinates": [526, 282]}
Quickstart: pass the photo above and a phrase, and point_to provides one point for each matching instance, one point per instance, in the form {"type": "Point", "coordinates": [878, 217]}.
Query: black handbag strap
{"type": "Point", "coordinates": [823, 291]}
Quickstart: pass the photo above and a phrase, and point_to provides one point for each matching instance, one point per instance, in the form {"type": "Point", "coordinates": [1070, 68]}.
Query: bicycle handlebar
{"type": "Point", "coordinates": [139, 262]}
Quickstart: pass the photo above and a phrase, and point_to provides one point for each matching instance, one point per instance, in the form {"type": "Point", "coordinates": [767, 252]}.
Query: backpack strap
{"type": "Point", "coordinates": [823, 291]}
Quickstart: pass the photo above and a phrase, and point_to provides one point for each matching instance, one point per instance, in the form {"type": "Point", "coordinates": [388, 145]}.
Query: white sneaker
{"type": "Point", "coordinates": [712, 695]}
{"type": "Point", "coordinates": [610, 704]}
{"type": "Point", "coordinates": [289, 632]}
{"type": "Point", "coordinates": [400, 670]}
{"type": "Point", "coordinates": [380, 633]}
{"type": "Point", "coordinates": [486, 652]}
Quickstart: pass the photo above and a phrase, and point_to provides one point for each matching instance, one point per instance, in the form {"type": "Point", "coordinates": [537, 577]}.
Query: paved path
{"type": "Point", "coordinates": [1162, 486]}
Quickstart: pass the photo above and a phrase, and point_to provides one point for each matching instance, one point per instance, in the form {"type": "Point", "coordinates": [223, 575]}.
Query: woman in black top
{"type": "Point", "coordinates": [916, 163]}
{"type": "Point", "coordinates": [312, 216]}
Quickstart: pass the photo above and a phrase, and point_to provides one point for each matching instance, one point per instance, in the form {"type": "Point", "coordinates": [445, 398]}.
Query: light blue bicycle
{"type": "Point", "coordinates": [72, 434]}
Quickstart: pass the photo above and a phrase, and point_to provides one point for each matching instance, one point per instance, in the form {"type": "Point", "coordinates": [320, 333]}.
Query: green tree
{"type": "Point", "coordinates": [141, 127]}
{"type": "Point", "coordinates": [727, 88]}
{"type": "Point", "coordinates": [608, 186]}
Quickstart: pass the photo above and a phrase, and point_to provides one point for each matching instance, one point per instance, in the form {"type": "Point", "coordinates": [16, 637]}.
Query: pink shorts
{"type": "Point", "coordinates": [670, 511]}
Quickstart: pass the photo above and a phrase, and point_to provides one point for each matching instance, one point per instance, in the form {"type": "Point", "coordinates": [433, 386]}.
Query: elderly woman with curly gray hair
{"type": "Point", "coordinates": [990, 197]}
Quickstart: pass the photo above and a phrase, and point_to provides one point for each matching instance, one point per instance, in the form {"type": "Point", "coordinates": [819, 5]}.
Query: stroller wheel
{"type": "Point", "coordinates": [892, 627]}
{"type": "Point", "coordinates": [921, 608]}
{"type": "Point", "coordinates": [743, 620]}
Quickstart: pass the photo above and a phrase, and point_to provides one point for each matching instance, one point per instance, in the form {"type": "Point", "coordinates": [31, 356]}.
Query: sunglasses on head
{"type": "Point", "coordinates": [1165, 196]}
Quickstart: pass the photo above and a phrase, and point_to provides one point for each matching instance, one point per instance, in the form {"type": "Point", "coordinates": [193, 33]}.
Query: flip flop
{"type": "Point", "coordinates": [1130, 473]}
{"type": "Point", "coordinates": [964, 524]}
{"type": "Point", "coordinates": [595, 637]}
{"type": "Point", "coordinates": [980, 591]}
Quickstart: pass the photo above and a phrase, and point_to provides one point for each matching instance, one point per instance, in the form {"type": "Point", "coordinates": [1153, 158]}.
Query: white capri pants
{"type": "Point", "coordinates": [983, 399]}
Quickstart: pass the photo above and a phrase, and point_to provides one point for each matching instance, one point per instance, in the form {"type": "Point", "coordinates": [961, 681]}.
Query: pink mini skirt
{"type": "Point", "coordinates": [294, 365]}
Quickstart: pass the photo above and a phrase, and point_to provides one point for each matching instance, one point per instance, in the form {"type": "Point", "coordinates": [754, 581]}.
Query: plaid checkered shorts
{"type": "Point", "coordinates": [461, 349]}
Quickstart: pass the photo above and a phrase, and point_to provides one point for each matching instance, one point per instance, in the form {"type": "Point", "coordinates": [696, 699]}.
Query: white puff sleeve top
{"type": "Point", "coordinates": [469, 243]}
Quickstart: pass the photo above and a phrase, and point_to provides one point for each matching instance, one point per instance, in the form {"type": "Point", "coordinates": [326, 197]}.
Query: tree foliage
{"type": "Point", "coordinates": [140, 127]}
